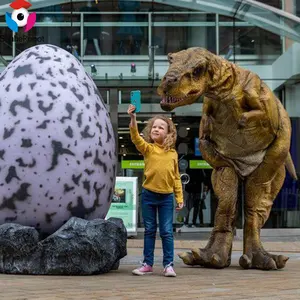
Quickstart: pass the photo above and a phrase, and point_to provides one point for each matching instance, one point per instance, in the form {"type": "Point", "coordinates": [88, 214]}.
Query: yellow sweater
{"type": "Point", "coordinates": [161, 168]}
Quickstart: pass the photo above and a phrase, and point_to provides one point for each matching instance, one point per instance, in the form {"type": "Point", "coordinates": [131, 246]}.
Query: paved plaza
{"type": "Point", "coordinates": [190, 283]}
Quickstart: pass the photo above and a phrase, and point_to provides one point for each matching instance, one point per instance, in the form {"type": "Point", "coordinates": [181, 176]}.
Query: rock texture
{"type": "Point", "coordinates": [79, 247]}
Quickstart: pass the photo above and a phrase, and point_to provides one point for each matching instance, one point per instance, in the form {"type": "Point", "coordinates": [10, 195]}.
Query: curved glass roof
{"type": "Point", "coordinates": [259, 14]}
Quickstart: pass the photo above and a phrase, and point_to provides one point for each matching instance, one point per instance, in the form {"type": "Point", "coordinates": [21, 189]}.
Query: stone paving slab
{"type": "Point", "coordinates": [191, 283]}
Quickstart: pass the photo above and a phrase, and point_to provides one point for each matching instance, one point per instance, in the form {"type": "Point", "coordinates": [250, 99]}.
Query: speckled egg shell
{"type": "Point", "coordinates": [57, 146]}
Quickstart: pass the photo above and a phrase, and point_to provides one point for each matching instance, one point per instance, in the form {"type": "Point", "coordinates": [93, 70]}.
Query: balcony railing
{"type": "Point", "coordinates": [143, 37]}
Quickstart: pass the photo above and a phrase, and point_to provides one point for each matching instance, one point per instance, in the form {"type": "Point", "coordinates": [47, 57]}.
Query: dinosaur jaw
{"type": "Point", "coordinates": [168, 103]}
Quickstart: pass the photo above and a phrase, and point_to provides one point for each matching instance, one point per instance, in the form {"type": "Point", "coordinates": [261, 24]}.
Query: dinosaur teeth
{"type": "Point", "coordinates": [170, 100]}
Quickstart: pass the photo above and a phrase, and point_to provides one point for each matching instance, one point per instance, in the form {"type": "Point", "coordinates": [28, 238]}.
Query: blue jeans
{"type": "Point", "coordinates": [163, 203]}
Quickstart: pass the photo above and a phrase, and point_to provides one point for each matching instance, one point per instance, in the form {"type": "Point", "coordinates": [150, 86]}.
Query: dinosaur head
{"type": "Point", "coordinates": [188, 77]}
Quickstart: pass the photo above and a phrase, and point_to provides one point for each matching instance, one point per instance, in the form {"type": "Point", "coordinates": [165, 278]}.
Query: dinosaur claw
{"type": "Point", "coordinates": [245, 262]}
{"type": "Point", "coordinates": [197, 253]}
{"type": "Point", "coordinates": [216, 260]}
{"type": "Point", "coordinates": [281, 261]}
{"type": "Point", "coordinates": [271, 265]}
{"type": "Point", "coordinates": [187, 258]}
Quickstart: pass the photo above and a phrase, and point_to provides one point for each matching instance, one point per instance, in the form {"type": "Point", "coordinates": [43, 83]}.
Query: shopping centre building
{"type": "Point", "coordinates": [124, 46]}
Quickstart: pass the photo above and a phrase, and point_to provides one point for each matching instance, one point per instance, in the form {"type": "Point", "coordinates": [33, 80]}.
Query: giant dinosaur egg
{"type": "Point", "coordinates": [57, 147]}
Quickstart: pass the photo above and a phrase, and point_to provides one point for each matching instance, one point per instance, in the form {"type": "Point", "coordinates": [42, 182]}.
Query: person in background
{"type": "Point", "coordinates": [197, 190]}
{"type": "Point", "coordinates": [162, 181]}
{"type": "Point", "coordinates": [91, 33]}
{"type": "Point", "coordinates": [130, 36]}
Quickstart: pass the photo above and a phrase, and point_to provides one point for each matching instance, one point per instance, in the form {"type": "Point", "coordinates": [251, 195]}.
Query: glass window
{"type": "Point", "coordinates": [264, 46]}
{"type": "Point", "coordinates": [175, 32]}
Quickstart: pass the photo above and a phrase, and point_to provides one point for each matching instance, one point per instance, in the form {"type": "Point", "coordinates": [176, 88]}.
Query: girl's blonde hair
{"type": "Point", "coordinates": [170, 140]}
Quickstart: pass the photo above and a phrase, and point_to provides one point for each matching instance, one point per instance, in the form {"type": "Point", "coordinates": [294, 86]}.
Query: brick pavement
{"type": "Point", "coordinates": [191, 282]}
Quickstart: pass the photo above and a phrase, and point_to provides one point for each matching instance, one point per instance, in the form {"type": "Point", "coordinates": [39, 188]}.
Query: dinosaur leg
{"type": "Point", "coordinates": [261, 188]}
{"type": "Point", "coordinates": [217, 253]}
{"type": "Point", "coordinates": [259, 201]}
{"type": "Point", "coordinates": [257, 212]}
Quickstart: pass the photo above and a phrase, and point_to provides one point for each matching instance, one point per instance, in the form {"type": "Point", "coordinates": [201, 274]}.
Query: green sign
{"type": "Point", "coordinates": [199, 164]}
{"type": "Point", "coordinates": [139, 164]}
{"type": "Point", "coordinates": [124, 202]}
{"type": "Point", "coordinates": [133, 164]}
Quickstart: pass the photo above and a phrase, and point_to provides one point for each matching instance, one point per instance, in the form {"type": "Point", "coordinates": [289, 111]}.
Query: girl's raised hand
{"type": "Point", "coordinates": [130, 110]}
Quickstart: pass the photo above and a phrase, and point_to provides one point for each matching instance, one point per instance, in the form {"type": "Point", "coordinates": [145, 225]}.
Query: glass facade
{"type": "Point", "coordinates": [127, 42]}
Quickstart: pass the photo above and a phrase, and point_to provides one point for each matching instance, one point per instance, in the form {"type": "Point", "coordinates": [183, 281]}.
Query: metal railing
{"type": "Point", "coordinates": [152, 28]}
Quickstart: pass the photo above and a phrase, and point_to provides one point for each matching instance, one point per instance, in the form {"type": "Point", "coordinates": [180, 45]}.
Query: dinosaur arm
{"type": "Point", "coordinates": [252, 101]}
{"type": "Point", "coordinates": [205, 144]}
{"type": "Point", "coordinates": [206, 123]}
{"type": "Point", "coordinates": [204, 130]}
{"type": "Point", "coordinates": [210, 155]}
{"type": "Point", "coordinates": [249, 116]}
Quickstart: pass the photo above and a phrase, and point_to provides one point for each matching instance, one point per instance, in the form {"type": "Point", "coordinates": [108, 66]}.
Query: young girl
{"type": "Point", "coordinates": [162, 179]}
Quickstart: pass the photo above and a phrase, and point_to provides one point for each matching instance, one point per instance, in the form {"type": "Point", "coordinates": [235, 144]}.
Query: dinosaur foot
{"type": "Point", "coordinates": [188, 258]}
{"type": "Point", "coordinates": [206, 258]}
{"type": "Point", "coordinates": [263, 260]}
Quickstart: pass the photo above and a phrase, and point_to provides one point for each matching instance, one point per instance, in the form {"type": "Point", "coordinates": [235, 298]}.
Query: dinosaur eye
{"type": "Point", "coordinates": [197, 72]}
{"type": "Point", "coordinates": [20, 16]}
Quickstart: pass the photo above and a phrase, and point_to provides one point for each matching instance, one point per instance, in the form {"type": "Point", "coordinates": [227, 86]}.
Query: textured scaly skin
{"type": "Point", "coordinates": [244, 135]}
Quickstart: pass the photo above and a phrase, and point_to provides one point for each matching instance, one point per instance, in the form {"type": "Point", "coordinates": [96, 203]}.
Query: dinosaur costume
{"type": "Point", "coordinates": [244, 135]}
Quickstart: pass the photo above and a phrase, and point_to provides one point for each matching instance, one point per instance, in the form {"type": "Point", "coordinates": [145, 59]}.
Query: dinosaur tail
{"type": "Point", "coordinates": [290, 167]}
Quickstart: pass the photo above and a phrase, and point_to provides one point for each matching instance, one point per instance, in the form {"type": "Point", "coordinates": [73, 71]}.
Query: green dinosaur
{"type": "Point", "coordinates": [244, 135]}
